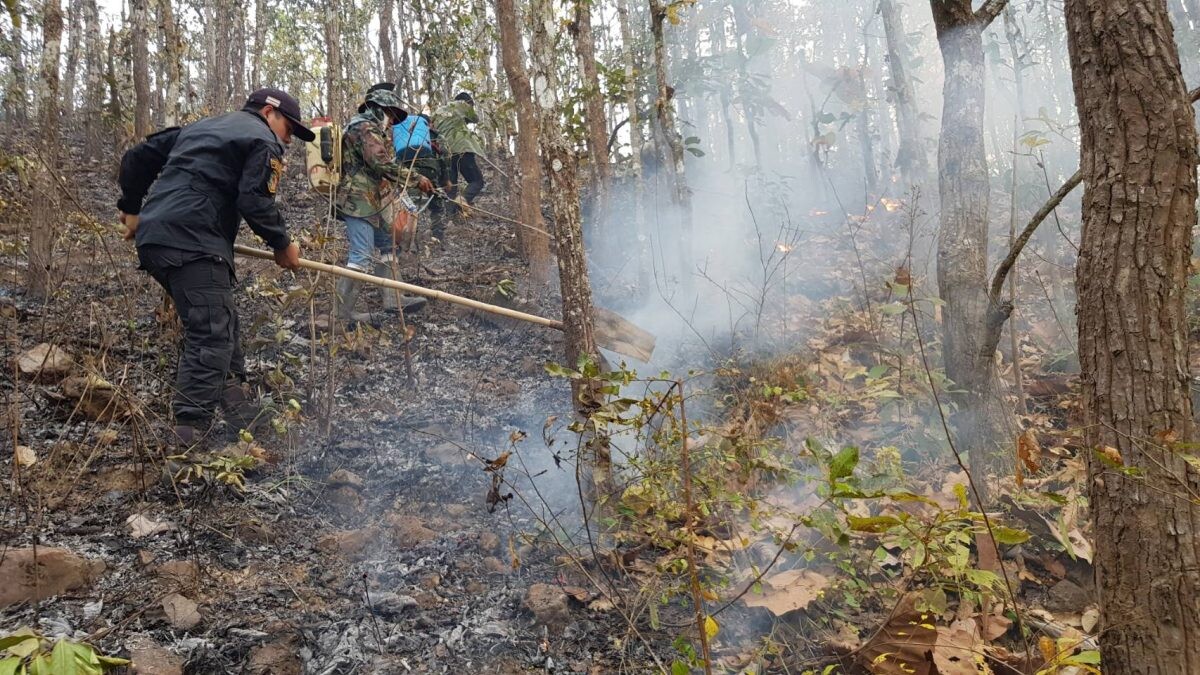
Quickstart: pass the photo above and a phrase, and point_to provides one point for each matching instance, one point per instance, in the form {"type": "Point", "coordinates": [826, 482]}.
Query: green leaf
{"type": "Point", "coordinates": [873, 524]}
{"type": "Point", "coordinates": [112, 661]}
{"type": "Point", "coordinates": [893, 309]}
{"type": "Point", "coordinates": [10, 665]}
{"type": "Point", "coordinates": [843, 463]}
{"type": "Point", "coordinates": [556, 370]}
{"type": "Point", "coordinates": [679, 668]}
{"type": "Point", "coordinates": [878, 371]}
{"type": "Point", "coordinates": [695, 151]}
{"type": "Point", "coordinates": [1090, 657]}
{"type": "Point", "coordinates": [1009, 536]}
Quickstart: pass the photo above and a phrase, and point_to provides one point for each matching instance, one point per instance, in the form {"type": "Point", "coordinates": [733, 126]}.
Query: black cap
{"type": "Point", "coordinates": [287, 106]}
{"type": "Point", "coordinates": [465, 96]}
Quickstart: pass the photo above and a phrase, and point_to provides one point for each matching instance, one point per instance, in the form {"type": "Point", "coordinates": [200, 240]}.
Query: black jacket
{"type": "Point", "coordinates": [200, 178]}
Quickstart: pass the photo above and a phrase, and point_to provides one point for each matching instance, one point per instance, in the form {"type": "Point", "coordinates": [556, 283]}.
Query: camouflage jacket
{"type": "Point", "coordinates": [369, 169]}
{"type": "Point", "coordinates": [454, 136]}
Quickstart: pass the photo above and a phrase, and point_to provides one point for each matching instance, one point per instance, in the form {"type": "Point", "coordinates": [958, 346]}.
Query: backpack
{"type": "Point", "coordinates": [411, 134]}
{"type": "Point", "coordinates": [323, 156]}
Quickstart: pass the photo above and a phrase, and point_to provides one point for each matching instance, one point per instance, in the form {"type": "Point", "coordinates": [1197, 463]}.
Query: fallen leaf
{"type": "Point", "coordinates": [498, 463]}
{"type": "Point", "coordinates": [142, 526]}
{"type": "Point", "coordinates": [601, 605]}
{"type": "Point", "coordinates": [25, 456]}
{"type": "Point", "coordinates": [182, 612]}
{"type": "Point", "coordinates": [577, 592]}
{"type": "Point", "coordinates": [1113, 455]}
{"type": "Point", "coordinates": [1090, 618]}
{"type": "Point", "coordinates": [959, 649]}
{"type": "Point", "coordinates": [994, 625]}
{"type": "Point", "coordinates": [1029, 451]}
{"type": "Point", "coordinates": [904, 645]}
{"type": "Point", "coordinates": [788, 591]}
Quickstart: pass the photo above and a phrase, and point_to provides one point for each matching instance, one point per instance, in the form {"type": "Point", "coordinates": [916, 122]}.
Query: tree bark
{"type": "Point", "coordinates": [387, 52]}
{"type": "Point", "coordinates": [535, 246]}
{"type": "Point", "coordinates": [261, 21]}
{"type": "Point", "coordinates": [94, 86]}
{"type": "Point", "coordinates": [972, 323]}
{"type": "Point", "coordinates": [139, 19]}
{"type": "Point", "coordinates": [333, 59]}
{"type": "Point", "coordinates": [561, 167]}
{"type": "Point", "coordinates": [44, 221]}
{"type": "Point", "coordinates": [237, 42]}
{"type": "Point", "coordinates": [911, 158]}
{"type": "Point", "coordinates": [681, 194]}
{"type": "Point", "coordinates": [1139, 166]}
{"type": "Point", "coordinates": [636, 143]}
{"type": "Point", "coordinates": [593, 99]}
{"type": "Point", "coordinates": [173, 57]}
{"type": "Point", "coordinates": [16, 96]}
{"type": "Point", "coordinates": [75, 46]}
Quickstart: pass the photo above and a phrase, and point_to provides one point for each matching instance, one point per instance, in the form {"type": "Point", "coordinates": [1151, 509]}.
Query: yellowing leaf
{"type": "Point", "coordinates": [710, 627]}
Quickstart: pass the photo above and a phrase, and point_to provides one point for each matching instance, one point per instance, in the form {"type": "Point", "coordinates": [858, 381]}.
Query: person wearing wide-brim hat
{"type": "Point", "coordinates": [368, 162]}
{"type": "Point", "coordinates": [207, 177]}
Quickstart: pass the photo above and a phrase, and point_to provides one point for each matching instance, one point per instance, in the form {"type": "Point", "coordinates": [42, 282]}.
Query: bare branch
{"type": "Point", "coordinates": [1019, 243]}
{"type": "Point", "coordinates": [988, 12]}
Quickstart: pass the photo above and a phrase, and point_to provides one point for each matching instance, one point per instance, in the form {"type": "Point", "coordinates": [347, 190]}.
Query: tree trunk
{"type": "Point", "coordinates": [1139, 167]}
{"type": "Point", "coordinates": [173, 58]}
{"type": "Point", "coordinates": [16, 97]}
{"type": "Point", "coordinates": [333, 59]}
{"type": "Point", "coordinates": [237, 42]}
{"type": "Point", "coordinates": [93, 119]}
{"type": "Point", "coordinates": [139, 18]}
{"type": "Point", "coordinates": [911, 158]}
{"type": "Point", "coordinates": [261, 21]}
{"type": "Point", "coordinates": [387, 52]}
{"type": "Point", "coordinates": [561, 167]}
{"type": "Point", "coordinates": [74, 55]}
{"type": "Point", "coordinates": [593, 99]}
{"type": "Point", "coordinates": [112, 79]}
{"type": "Point", "coordinates": [636, 143]}
{"type": "Point", "coordinates": [972, 324]}
{"type": "Point", "coordinates": [535, 246]}
{"type": "Point", "coordinates": [45, 221]}
{"type": "Point", "coordinates": [681, 194]}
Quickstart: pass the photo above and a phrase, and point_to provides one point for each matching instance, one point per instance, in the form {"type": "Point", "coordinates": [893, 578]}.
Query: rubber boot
{"type": "Point", "coordinates": [409, 303]}
{"type": "Point", "coordinates": [188, 443]}
{"type": "Point", "coordinates": [345, 294]}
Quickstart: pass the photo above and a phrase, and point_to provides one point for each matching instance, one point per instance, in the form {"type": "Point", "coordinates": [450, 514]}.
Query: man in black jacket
{"type": "Point", "coordinates": [206, 177]}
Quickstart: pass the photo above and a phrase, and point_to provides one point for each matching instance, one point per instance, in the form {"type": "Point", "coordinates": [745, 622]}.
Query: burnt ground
{"type": "Point", "coordinates": [365, 542]}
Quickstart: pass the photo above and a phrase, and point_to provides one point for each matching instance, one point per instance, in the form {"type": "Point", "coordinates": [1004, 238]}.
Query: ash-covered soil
{"type": "Point", "coordinates": [365, 543]}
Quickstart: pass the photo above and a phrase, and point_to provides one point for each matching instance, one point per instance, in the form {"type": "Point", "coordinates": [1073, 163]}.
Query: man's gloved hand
{"type": "Point", "coordinates": [424, 185]}
{"type": "Point", "coordinates": [288, 258]}
{"type": "Point", "coordinates": [130, 221]}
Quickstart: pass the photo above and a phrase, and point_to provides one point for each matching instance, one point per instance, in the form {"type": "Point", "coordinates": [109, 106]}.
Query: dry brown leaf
{"type": "Point", "coordinates": [1113, 455]}
{"type": "Point", "coordinates": [992, 626]}
{"type": "Point", "coordinates": [959, 649]}
{"type": "Point", "coordinates": [1029, 451]}
{"type": "Point", "coordinates": [1090, 618]}
{"type": "Point", "coordinates": [25, 456]}
{"type": "Point", "coordinates": [788, 591]}
{"type": "Point", "coordinates": [904, 645]}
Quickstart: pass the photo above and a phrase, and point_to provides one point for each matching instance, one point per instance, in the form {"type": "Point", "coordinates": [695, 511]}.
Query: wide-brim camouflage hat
{"type": "Point", "coordinates": [386, 99]}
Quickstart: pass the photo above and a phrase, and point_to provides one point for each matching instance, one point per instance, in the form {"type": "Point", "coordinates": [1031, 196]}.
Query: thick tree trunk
{"type": "Point", "coordinates": [911, 157]}
{"type": "Point", "coordinates": [681, 194]}
{"type": "Point", "coordinates": [16, 96]}
{"type": "Point", "coordinates": [1139, 166]}
{"type": "Point", "coordinates": [636, 143]}
{"type": "Point", "coordinates": [535, 245]}
{"type": "Point", "coordinates": [972, 324]}
{"type": "Point", "coordinates": [237, 40]}
{"type": "Point", "coordinates": [44, 222]}
{"type": "Point", "coordinates": [561, 167]}
{"type": "Point", "coordinates": [261, 21]}
{"type": "Point", "coordinates": [387, 52]}
{"type": "Point", "coordinates": [593, 99]}
{"type": "Point", "coordinates": [139, 20]}
{"type": "Point", "coordinates": [112, 80]}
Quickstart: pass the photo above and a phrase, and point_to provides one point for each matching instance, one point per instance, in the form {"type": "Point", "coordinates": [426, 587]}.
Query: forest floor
{"type": "Point", "coordinates": [375, 539]}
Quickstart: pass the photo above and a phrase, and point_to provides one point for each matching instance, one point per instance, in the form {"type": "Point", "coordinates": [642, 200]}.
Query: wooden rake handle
{"type": "Point", "coordinates": [407, 288]}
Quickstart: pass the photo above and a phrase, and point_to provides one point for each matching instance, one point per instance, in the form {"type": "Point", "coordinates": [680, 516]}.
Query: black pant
{"type": "Point", "coordinates": [463, 164]}
{"type": "Point", "coordinates": [201, 285]}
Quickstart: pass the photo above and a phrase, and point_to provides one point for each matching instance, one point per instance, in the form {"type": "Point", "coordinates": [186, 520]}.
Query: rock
{"type": "Point", "coordinates": [276, 658]}
{"type": "Point", "coordinates": [344, 477]}
{"type": "Point", "coordinates": [489, 542]}
{"type": "Point", "coordinates": [346, 500]}
{"type": "Point", "coordinates": [409, 531]}
{"type": "Point", "coordinates": [348, 542]}
{"type": "Point", "coordinates": [55, 571]}
{"type": "Point", "coordinates": [96, 397]}
{"type": "Point", "coordinates": [45, 363]}
{"type": "Point", "coordinates": [494, 565]}
{"type": "Point", "coordinates": [456, 510]}
{"type": "Point", "coordinates": [1067, 596]}
{"type": "Point", "coordinates": [151, 659]}
{"type": "Point", "coordinates": [548, 604]}
{"type": "Point", "coordinates": [182, 612]}
{"type": "Point", "coordinates": [391, 604]}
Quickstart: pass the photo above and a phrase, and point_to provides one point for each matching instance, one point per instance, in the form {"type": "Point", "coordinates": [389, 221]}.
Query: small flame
{"type": "Point", "coordinates": [892, 205]}
{"type": "Point", "coordinates": [783, 248]}
{"type": "Point", "coordinates": [817, 213]}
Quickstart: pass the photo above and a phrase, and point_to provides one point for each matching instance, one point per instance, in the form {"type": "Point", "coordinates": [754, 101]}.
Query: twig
{"type": "Point", "coordinates": [689, 532]}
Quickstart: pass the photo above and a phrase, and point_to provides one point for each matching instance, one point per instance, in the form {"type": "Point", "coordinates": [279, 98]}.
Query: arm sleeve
{"type": "Point", "coordinates": [380, 159]}
{"type": "Point", "coordinates": [140, 166]}
{"type": "Point", "coordinates": [256, 195]}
